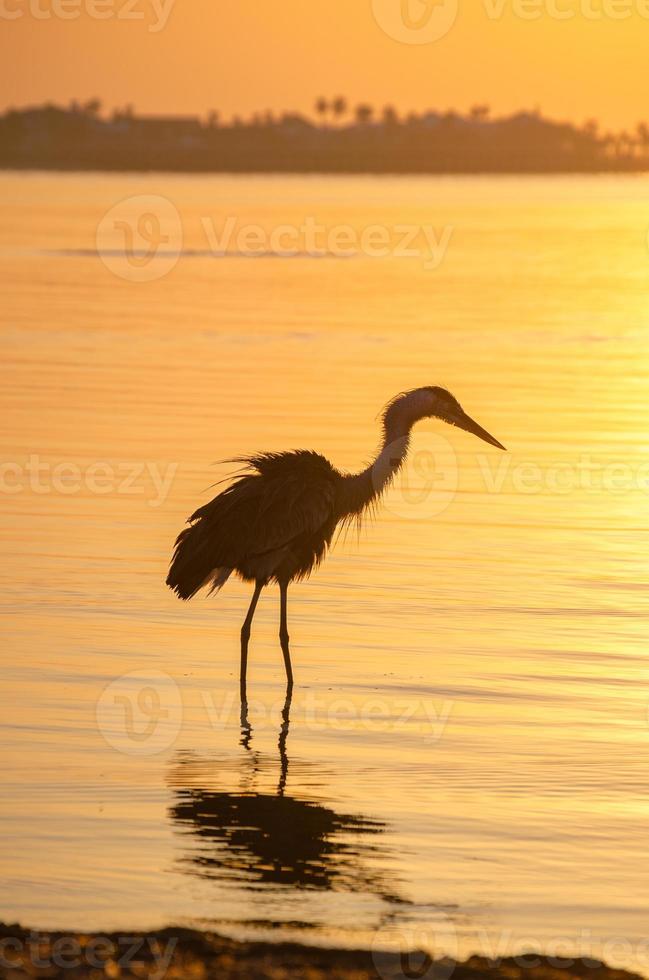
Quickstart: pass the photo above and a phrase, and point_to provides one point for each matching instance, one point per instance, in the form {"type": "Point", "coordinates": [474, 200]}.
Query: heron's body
{"type": "Point", "coordinates": [276, 521]}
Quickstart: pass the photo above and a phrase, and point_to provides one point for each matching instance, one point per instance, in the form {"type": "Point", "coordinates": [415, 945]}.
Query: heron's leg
{"type": "Point", "coordinates": [283, 633]}
{"type": "Point", "coordinates": [245, 637]}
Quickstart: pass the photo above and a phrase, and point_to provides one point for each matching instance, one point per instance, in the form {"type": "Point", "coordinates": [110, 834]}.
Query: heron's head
{"type": "Point", "coordinates": [444, 405]}
{"type": "Point", "coordinates": [432, 402]}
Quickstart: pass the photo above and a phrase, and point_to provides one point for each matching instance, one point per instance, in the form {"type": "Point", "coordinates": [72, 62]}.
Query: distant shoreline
{"type": "Point", "coordinates": [79, 138]}
{"type": "Point", "coordinates": [178, 953]}
{"type": "Point", "coordinates": [70, 168]}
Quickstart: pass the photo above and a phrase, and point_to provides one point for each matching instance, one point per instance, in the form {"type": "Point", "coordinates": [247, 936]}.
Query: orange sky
{"type": "Point", "coordinates": [245, 55]}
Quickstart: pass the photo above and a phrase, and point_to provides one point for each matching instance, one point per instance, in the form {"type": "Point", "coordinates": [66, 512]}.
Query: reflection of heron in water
{"type": "Point", "coordinates": [246, 737]}
{"type": "Point", "coordinates": [273, 838]}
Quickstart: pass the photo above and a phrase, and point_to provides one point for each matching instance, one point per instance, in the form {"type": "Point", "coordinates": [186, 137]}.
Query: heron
{"type": "Point", "coordinates": [275, 522]}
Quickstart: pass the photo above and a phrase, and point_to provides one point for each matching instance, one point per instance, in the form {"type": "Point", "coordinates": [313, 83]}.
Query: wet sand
{"type": "Point", "coordinates": [181, 954]}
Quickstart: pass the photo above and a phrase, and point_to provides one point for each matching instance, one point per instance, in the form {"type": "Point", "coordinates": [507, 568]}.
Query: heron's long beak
{"type": "Point", "coordinates": [464, 421]}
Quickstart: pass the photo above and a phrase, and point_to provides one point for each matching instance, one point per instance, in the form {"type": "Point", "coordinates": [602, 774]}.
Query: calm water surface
{"type": "Point", "coordinates": [466, 764]}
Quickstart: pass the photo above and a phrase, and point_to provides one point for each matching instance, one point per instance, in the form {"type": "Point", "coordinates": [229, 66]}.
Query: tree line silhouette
{"type": "Point", "coordinates": [339, 139]}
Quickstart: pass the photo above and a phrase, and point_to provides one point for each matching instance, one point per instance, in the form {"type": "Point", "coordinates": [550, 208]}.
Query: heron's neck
{"type": "Point", "coordinates": [359, 490]}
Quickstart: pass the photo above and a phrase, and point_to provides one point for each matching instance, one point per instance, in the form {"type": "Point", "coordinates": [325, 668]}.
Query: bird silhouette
{"type": "Point", "coordinates": [277, 519]}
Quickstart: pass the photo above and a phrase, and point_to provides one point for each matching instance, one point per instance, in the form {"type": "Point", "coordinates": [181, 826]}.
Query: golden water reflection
{"type": "Point", "coordinates": [470, 705]}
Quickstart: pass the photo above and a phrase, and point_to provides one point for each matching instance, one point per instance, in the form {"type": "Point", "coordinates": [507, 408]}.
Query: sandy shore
{"type": "Point", "coordinates": [181, 954]}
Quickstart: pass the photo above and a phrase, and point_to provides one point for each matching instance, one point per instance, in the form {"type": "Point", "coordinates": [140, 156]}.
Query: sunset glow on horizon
{"type": "Point", "coordinates": [573, 59]}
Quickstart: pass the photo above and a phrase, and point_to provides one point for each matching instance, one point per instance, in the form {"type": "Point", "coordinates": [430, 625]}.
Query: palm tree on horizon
{"type": "Point", "coordinates": [322, 108]}
{"type": "Point", "coordinates": [339, 106]}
